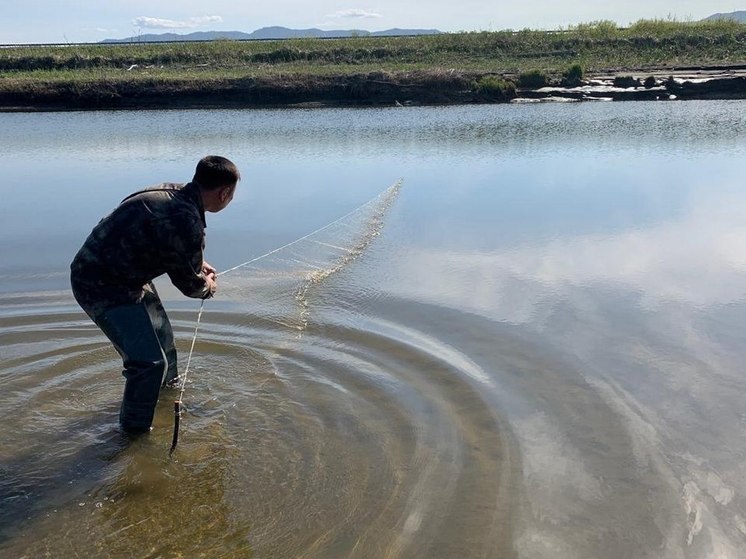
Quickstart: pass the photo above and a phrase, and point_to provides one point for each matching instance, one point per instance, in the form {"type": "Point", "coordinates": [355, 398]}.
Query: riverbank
{"type": "Point", "coordinates": [717, 82]}
{"type": "Point", "coordinates": [648, 60]}
{"type": "Point", "coordinates": [373, 89]}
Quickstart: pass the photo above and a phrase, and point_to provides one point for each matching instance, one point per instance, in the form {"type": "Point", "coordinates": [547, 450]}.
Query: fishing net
{"type": "Point", "coordinates": [279, 284]}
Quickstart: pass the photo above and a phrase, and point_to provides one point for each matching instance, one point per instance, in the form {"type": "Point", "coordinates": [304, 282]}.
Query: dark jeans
{"type": "Point", "coordinates": [142, 335]}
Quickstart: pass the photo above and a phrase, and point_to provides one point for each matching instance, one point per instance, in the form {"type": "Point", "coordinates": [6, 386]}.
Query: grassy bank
{"type": "Point", "coordinates": [373, 68]}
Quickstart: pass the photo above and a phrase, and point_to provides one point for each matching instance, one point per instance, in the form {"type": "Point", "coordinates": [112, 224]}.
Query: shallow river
{"type": "Point", "coordinates": [533, 349]}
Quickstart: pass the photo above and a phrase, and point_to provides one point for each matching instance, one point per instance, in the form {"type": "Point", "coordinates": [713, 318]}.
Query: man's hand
{"type": "Point", "coordinates": [211, 277]}
{"type": "Point", "coordinates": [208, 270]}
{"type": "Point", "coordinates": [212, 284]}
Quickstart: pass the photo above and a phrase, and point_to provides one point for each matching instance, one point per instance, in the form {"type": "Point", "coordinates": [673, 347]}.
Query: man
{"type": "Point", "coordinates": [153, 232]}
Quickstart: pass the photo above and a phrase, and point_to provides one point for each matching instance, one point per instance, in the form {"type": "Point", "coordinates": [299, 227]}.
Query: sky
{"type": "Point", "coordinates": [58, 21]}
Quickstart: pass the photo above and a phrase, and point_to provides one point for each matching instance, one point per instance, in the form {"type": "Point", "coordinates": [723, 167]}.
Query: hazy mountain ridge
{"type": "Point", "coordinates": [735, 16]}
{"type": "Point", "coordinates": [275, 32]}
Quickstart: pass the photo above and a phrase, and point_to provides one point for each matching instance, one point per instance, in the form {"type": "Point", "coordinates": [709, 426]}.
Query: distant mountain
{"type": "Point", "coordinates": [269, 33]}
{"type": "Point", "coordinates": [739, 16]}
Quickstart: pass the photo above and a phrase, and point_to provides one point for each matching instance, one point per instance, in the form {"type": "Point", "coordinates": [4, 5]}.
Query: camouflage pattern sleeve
{"type": "Point", "coordinates": [185, 235]}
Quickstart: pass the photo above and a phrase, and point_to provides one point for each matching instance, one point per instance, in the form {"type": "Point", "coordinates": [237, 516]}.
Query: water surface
{"type": "Point", "coordinates": [537, 352]}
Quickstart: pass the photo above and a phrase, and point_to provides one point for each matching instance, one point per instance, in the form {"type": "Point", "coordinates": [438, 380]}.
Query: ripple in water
{"type": "Point", "coordinates": [342, 442]}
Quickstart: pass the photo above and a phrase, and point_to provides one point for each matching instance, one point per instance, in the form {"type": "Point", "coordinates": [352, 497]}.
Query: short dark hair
{"type": "Point", "coordinates": [214, 171]}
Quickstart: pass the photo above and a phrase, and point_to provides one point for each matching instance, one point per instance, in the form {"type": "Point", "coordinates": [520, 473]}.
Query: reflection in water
{"type": "Point", "coordinates": [540, 356]}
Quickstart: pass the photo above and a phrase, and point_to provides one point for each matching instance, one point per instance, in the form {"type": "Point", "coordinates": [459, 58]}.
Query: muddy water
{"type": "Point", "coordinates": [538, 352]}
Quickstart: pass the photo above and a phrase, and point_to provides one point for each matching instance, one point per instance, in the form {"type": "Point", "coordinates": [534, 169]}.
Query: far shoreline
{"type": "Point", "coordinates": [649, 60]}
{"type": "Point", "coordinates": [382, 90]}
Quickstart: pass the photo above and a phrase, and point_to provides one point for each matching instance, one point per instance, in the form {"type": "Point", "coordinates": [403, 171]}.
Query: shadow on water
{"type": "Point", "coordinates": [39, 481]}
{"type": "Point", "coordinates": [118, 496]}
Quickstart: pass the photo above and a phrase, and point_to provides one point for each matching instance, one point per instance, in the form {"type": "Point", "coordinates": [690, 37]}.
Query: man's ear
{"type": "Point", "coordinates": [225, 193]}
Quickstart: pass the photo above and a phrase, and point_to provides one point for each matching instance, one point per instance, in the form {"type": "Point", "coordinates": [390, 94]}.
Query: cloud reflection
{"type": "Point", "coordinates": [698, 259]}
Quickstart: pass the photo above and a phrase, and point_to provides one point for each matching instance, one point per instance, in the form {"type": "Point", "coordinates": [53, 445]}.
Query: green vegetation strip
{"type": "Point", "coordinates": [529, 58]}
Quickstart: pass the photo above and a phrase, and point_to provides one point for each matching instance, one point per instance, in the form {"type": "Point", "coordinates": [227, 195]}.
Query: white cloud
{"type": "Point", "coordinates": [354, 14]}
{"type": "Point", "coordinates": [160, 23]}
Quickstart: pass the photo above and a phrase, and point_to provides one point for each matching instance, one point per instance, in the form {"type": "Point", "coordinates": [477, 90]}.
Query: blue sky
{"type": "Point", "coordinates": [31, 21]}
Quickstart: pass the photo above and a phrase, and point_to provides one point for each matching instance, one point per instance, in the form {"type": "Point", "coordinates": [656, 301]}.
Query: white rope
{"type": "Point", "coordinates": [191, 350]}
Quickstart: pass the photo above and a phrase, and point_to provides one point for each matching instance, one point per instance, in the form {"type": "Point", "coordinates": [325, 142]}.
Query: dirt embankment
{"type": "Point", "coordinates": [715, 82]}
{"type": "Point", "coordinates": [423, 88]}
{"type": "Point", "coordinates": [359, 89]}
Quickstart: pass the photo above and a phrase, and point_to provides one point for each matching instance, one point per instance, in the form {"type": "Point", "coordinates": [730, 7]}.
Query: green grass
{"type": "Point", "coordinates": [517, 56]}
{"type": "Point", "coordinates": [594, 45]}
{"type": "Point", "coordinates": [574, 73]}
{"type": "Point", "coordinates": [493, 87]}
{"type": "Point", "coordinates": [532, 79]}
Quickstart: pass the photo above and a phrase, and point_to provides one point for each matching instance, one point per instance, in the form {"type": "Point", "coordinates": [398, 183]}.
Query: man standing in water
{"type": "Point", "coordinates": [156, 231]}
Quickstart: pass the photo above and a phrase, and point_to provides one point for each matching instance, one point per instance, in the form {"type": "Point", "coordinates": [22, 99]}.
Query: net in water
{"type": "Point", "coordinates": [280, 284]}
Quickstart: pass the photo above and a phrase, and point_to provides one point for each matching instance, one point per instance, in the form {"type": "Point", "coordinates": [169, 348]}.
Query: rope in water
{"type": "Point", "coordinates": [177, 403]}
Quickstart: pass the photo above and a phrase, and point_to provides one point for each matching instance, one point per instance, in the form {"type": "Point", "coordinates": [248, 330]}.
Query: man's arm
{"type": "Point", "coordinates": [184, 244]}
{"type": "Point", "coordinates": [188, 277]}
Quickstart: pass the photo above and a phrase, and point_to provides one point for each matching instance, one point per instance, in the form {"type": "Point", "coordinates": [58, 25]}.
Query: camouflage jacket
{"type": "Point", "coordinates": [156, 231]}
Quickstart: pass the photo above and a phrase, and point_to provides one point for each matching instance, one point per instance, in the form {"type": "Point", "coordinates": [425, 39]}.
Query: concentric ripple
{"type": "Point", "coordinates": [341, 442]}
{"type": "Point", "coordinates": [382, 427]}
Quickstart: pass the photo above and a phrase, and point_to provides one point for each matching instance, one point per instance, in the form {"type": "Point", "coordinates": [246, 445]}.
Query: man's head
{"type": "Point", "coordinates": [217, 178]}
